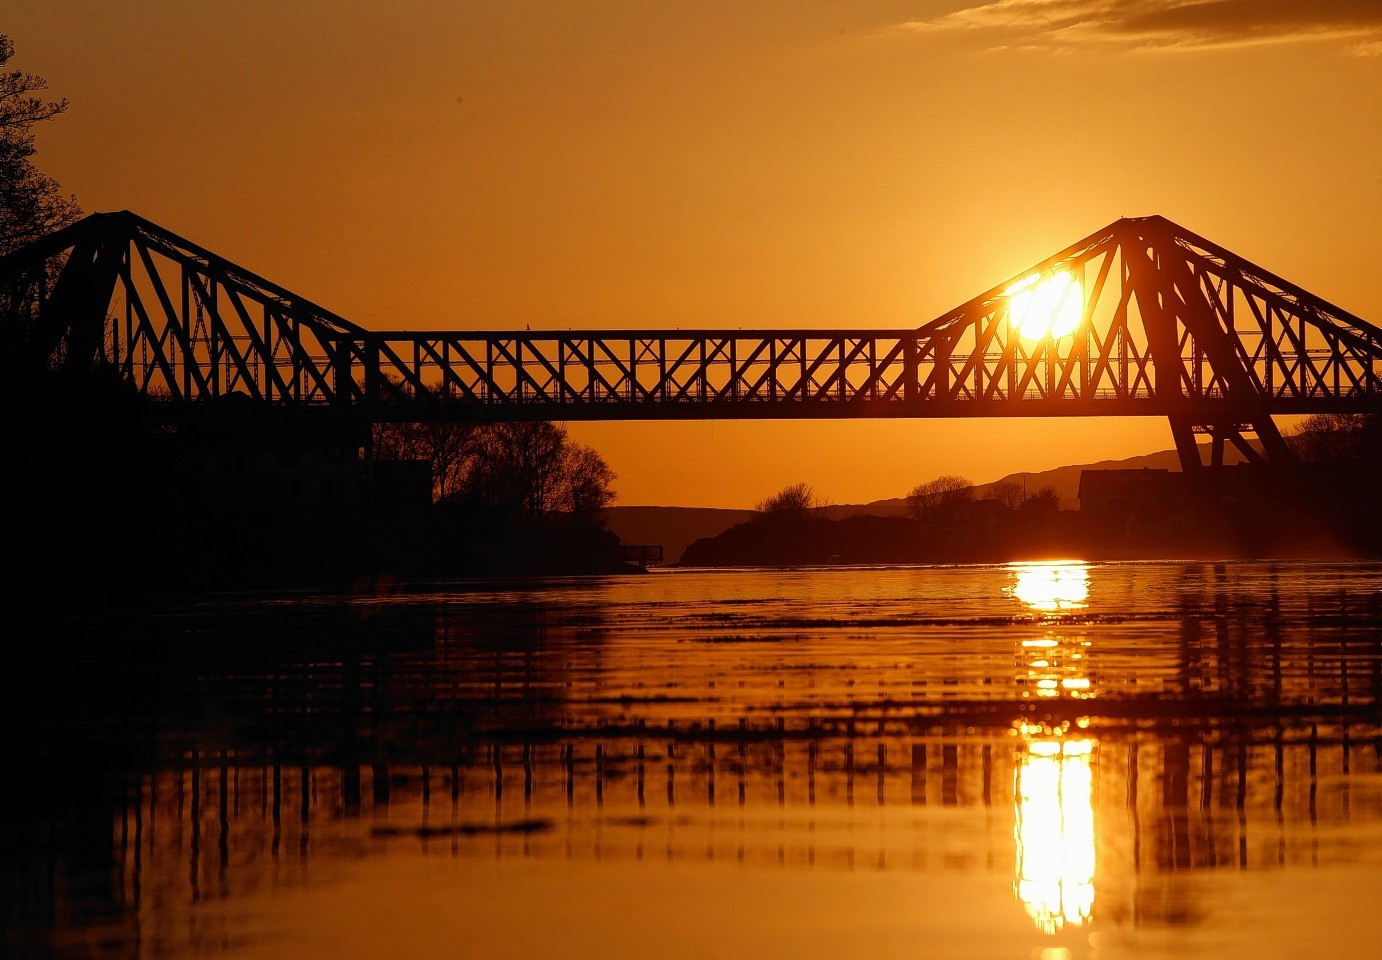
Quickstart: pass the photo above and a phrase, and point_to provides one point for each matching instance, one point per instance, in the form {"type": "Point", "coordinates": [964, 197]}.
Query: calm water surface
{"type": "Point", "coordinates": [1027, 761]}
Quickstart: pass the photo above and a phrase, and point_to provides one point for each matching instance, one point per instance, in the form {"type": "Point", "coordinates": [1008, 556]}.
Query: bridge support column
{"type": "Point", "coordinates": [1187, 448]}
{"type": "Point", "coordinates": [73, 317]}
{"type": "Point", "coordinates": [1178, 313]}
{"type": "Point", "coordinates": [1271, 447]}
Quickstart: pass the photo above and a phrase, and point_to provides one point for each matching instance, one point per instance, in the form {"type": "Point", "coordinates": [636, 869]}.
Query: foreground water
{"type": "Point", "coordinates": [1026, 761]}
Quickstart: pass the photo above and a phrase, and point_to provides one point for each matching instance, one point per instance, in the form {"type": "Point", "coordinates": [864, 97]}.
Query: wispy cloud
{"type": "Point", "coordinates": [1165, 24]}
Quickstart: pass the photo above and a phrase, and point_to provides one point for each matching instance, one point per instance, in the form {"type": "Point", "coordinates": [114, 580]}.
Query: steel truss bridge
{"type": "Point", "coordinates": [1166, 324]}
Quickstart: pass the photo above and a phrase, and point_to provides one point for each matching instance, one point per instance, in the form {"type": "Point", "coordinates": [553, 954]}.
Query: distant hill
{"type": "Point", "coordinates": [671, 527]}
{"type": "Point", "coordinates": [676, 527]}
{"type": "Point", "coordinates": [1064, 480]}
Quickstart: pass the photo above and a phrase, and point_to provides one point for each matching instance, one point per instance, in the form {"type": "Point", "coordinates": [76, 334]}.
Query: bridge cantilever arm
{"type": "Point", "coordinates": [52, 244]}
{"type": "Point", "coordinates": [291, 301]}
{"type": "Point", "coordinates": [979, 305]}
{"type": "Point", "coordinates": [1198, 245]}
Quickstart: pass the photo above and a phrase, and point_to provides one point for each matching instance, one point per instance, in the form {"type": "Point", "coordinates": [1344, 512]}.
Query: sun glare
{"type": "Point", "coordinates": [1049, 307]}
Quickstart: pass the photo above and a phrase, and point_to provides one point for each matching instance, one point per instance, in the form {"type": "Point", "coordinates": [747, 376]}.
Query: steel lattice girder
{"type": "Point", "coordinates": [1169, 325]}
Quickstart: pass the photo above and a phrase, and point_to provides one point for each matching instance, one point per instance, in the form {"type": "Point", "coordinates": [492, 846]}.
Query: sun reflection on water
{"type": "Point", "coordinates": [1054, 794]}
{"type": "Point", "coordinates": [1049, 587]}
{"type": "Point", "coordinates": [1055, 664]}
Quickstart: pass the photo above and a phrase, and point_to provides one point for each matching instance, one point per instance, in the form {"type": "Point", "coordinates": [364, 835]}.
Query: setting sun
{"type": "Point", "coordinates": [1040, 307]}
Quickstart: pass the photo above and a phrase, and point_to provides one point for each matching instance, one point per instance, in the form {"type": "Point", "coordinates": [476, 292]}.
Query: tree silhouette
{"type": "Point", "coordinates": [794, 499]}
{"type": "Point", "coordinates": [31, 202]}
{"type": "Point", "coordinates": [1007, 492]}
{"type": "Point", "coordinates": [530, 468]}
{"type": "Point", "coordinates": [535, 468]}
{"type": "Point", "coordinates": [447, 448]}
{"type": "Point", "coordinates": [1045, 500]}
{"type": "Point", "coordinates": [926, 498]}
{"type": "Point", "coordinates": [1338, 438]}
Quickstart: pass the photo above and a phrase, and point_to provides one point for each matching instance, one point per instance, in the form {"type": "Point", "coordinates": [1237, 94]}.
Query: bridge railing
{"type": "Point", "coordinates": [617, 367]}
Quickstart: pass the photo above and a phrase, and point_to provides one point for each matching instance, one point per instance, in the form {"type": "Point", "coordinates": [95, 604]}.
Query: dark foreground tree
{"type": "Point", "coordinates": [31, 203]}
{"type": "Point", "coordinates": [531, 502]}
{"type": "Point", "coordinates": [509, 499]}
{"type": "Point", "coordinates": [447, 448]}
{"type": "Point", "coordinates": [1338, 438]}
{"type": "Point", "coordinates": [588, 489]}
{"type": "Point", "coordinates": [536, 469]}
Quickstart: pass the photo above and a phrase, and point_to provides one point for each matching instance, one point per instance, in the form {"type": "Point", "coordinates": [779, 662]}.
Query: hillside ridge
{"type": "Point", "coordinates": [673, 528]}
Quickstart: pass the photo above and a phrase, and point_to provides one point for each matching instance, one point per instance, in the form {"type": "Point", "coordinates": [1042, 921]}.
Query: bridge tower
{"type": "Point", "coordinates": [1176, 310]}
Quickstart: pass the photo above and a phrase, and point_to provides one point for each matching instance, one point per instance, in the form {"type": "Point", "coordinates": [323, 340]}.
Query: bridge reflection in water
{"type": "Point", "coordinates": [1242, 740]}
{"type": "Point", "coordinates": [1067, 817]}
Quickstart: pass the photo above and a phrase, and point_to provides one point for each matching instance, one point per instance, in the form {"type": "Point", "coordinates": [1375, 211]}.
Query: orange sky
{"type": "Point", "coordinates": [443, 163]}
